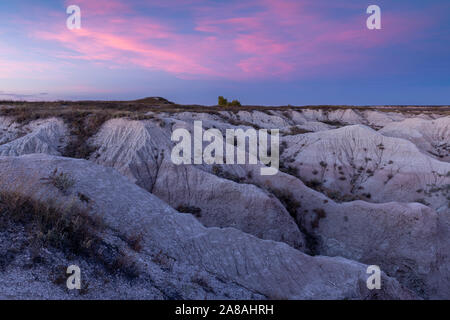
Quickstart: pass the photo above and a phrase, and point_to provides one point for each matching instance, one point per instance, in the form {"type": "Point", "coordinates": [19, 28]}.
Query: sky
{"type": "Point", "coordinates": [261, 52]}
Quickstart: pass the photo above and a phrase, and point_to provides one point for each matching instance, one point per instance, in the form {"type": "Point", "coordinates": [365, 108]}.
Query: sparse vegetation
{"type": "Point", "coordinates": [293, 207]}
{"type": "Point", "coordinates": [241, 123]}
{"type": "Point", "coordinates": [235, 103]}
{"type": "Point", "coordinates": [293, 171]}
{"type": "Point", "coordinates": [224, 102]}
{"type": "Point", "coordinates": [28, 111]}
{"type": "Point", "coordinates": [82, 129]}
{"type": "Point", "coordinates": [126, 264]}
{"type": "Point", "coordinates": [288, 201]}
{"type": "Point", "coordinates": [319, 214]}
{"type": "Point", "coordinates": [295, 131]}
{"type": "Point", "coordinates": [72, 229]}
{"type": "Point", "coordinates": [195, 211]}
{"type": "Point", "coordinates": [314, 184]}
{"type": "Point", "coordinates": [218, 171]}
{"type": "Point", "coordinates": [202, 282]}
{"type": "Point", "coordinates": [61, 181]}
{"type": "Point", "coordinates": [283, 147]}
{"type": "Point", "coordinates": [134, 241]}
{"type": "Point", "coordinates": [163, 260]}
{"type": "Point", "coordinates": [334, 123]}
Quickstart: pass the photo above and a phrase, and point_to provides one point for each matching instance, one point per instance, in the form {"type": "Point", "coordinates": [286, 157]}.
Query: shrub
{"type": "Point", "coordinates": [319, 214]}
{"type": "Point", "coordinates": [134, 241]}
{"type": "Point", "coordinates": [334, 123]}
{"type": "Point", "coordinates": [61, 181]}
{"type": "Point", "coordinates": [296, 130]}
{"type": "Point", "coordinates": [293, 171]}
{"type": "Point", "coordinates": [288, 201]}
{"type": "Point", "coordinates": [314, 184]}
{"type": "Point", "coordinates": [234, 103]}
{"type": "Point", "coordinates": [126, 264]}
{"type": "Point", "coordinates": [202, 282]}
{"type": "Point", "coordinates": [218, 171]}
{"type": "Point", "coordinates": [223, 102]}
{"type": "Point", "coordinates": [163, 260]}
{"type": "Point", "coordinates": [83, 126]}
{"type": "Point", "coordinates": [380, 146]}
{"type": "Point", "coordinates": [197, 212]}
{"type": "Point", "coordinates": [72, 229]}
{"type": "Point", "coordinates": [323, 164]}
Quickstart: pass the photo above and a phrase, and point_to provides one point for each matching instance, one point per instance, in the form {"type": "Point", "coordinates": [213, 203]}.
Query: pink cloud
{"type": "Point", "coordinates": [235, 40]}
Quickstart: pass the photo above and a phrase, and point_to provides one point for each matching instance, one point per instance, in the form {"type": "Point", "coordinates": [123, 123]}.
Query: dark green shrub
{"type": "Point", "coordinates": [222, 101]}
{"type": "Point", "coordinates": [234, 103]}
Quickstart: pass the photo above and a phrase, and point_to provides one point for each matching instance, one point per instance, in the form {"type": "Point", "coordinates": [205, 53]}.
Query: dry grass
{"type": "Point", "coordinates": [295, 131]}
{"type": "Point", "coordinates": [195, 211]}
{"type": "Point", "coordinates": [202, 282]}
{"type": "Point", "coordinates": [288, 201]}
{"type": "Point", "coordinates": [84, 118]}
{"type": "Point", "coordinates": [72, 229]}
{"type": "Point", "coordinates": [219, 172]}
{"type": "Point", "coordinates": [292, 206]}
{"type": "Point", "coordinates": [164, 261]}
{"type": "Point", "coordinates": [134, 241]}
{"type": "Point", "coordinates": [60, 180]}
{"type": "Point", "coordinates": [28, 111]}
{"type": "Point", "coordinates": [319, 214]}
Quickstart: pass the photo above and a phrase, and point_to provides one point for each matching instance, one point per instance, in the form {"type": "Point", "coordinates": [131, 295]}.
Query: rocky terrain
{"type": "Point", "coordinates": [357, 187]}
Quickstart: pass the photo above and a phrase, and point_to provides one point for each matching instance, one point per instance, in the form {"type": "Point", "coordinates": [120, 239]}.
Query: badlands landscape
{"type": "Point", "coordinates": [92, 184]}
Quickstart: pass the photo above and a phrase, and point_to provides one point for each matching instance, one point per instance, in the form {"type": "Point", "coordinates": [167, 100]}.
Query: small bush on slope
{"type": "Point", "coordinates": [71, 228]}
{"type": "Point", "coordinates": [62, 181]}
